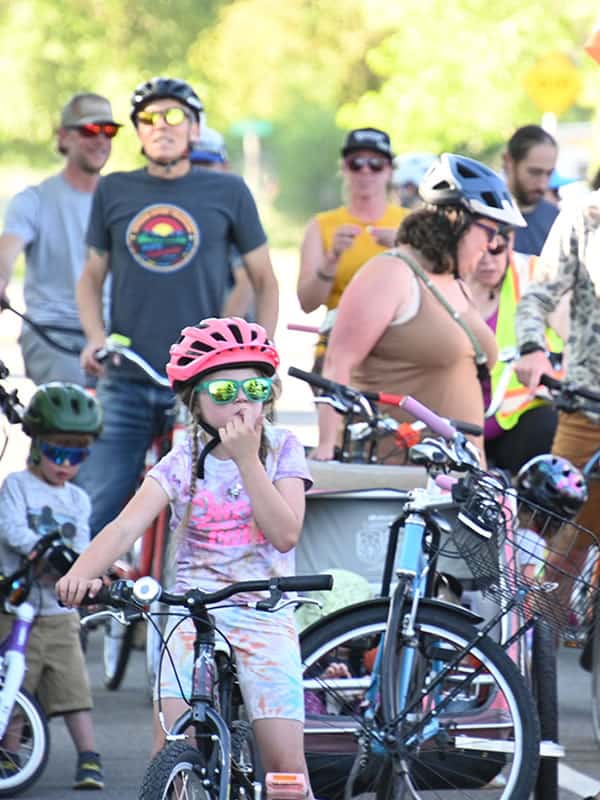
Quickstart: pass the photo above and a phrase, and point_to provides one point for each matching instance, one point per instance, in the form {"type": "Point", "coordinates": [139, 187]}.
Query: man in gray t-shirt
{"type": "Point", "coordinates": [48, 222]}
{"type": "Point", "coordinates": [164, 235]}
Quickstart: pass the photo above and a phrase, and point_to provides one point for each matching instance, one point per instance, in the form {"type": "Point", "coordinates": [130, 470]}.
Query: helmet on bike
{"type": "Point", "coordinates": [215, 343]}
{"type": "Point", "coordinates": [160, 88]}
{"type": "Point", "coordinates": [456, 180]}
{"type": "Point", "coordinates": [554, 484]}
{"type": "Point", "coordinates": [62, 408]}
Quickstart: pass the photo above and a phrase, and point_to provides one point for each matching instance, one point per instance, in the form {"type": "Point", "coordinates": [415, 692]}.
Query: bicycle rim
{"type": "Point", "coordinates": [487, 741]}
{"type": "Point", "coordinates": [596, 670]}
{"type": "Point", "coordinates": [545, 690]}
{"type": "Point", "coordinates": [25, 746]}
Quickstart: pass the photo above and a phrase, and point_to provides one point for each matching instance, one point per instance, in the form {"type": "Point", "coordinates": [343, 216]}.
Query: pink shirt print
{"type": "Point", "coordinates": [222, 542]}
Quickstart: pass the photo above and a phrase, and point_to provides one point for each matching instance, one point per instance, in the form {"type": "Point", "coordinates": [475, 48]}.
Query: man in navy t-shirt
{"type": "Point", "coordinates": [164, 234]}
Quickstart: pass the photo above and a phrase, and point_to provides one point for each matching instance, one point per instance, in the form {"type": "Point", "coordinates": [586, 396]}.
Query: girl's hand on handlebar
{"type": "Point", "coordinates": [530, 368]}
{"type": "Point", "coordinates": [71, 589]}
{"type": "Point", "coordinates": [89, 361]}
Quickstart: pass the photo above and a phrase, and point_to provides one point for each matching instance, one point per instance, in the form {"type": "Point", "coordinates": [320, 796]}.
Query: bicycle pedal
{"type": "Point", "coordinates": [285, 786]}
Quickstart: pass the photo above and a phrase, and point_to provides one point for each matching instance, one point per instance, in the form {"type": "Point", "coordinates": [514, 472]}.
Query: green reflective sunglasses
{"type": "Point", "coordinates": [172, 116]}
{"type": "Point", "coordinates": [225, 390]}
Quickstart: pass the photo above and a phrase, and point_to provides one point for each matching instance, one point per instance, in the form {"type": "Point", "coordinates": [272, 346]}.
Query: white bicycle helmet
{"type": "Point", "coordinates": [456, 180]}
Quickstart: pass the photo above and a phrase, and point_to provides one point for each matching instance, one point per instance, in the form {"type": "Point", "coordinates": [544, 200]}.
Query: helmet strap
{"type": "Point", "coordinates": [35, 454]}
{"type": "Point", "coordinates": [167, 165]}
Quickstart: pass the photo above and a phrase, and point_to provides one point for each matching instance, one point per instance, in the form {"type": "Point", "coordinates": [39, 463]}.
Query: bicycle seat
{"type": "Point", "coordinates": [334, 476]}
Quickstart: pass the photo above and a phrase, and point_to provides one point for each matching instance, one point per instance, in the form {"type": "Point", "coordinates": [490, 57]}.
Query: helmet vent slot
{"type": "Point", "coordinates": [465, 171]}
{"type": "Point", "coordinates": [491, 199]}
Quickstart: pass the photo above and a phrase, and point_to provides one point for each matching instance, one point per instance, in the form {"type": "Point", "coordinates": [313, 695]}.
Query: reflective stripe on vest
{"type": "Point", "coordinates": [517, 398]}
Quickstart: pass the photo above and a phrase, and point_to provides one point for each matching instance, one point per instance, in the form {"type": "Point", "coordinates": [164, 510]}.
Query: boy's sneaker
{"type": "Point", "coordinates": [89, 772]}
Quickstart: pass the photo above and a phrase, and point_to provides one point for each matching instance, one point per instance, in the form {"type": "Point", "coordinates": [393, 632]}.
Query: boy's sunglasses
{"type": "Point", "coordinates": [63, 455]}
{"type": "Point", "coordinates": [93, 129]}
{"type": "Point", "coordinates": [172, 116]}
{"type": "Point", "coordinates": [356, 163]}
{"type": "Point", "coordinates": [225, 390]}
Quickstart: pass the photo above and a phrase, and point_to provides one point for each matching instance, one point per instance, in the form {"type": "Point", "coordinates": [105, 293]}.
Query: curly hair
{"type": "Point", "coordinates": [435, 231]}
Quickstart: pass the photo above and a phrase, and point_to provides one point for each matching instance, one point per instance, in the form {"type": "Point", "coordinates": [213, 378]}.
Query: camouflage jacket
{"type": "Point", "coordinates": [569, 262]}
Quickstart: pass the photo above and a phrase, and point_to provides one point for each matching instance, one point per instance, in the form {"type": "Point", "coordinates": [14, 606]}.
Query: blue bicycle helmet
{"type": "Point", "coordinates": [456, 180]}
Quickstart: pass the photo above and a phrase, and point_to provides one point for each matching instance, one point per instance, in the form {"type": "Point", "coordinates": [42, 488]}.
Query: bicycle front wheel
{"type": "Point", "coordinates": [482, 739]}
{"type": "Point", "coordinates": [178, 772]}
{"type": "Point", "coordinates": [595, 634]}
{"type": "Point", "coordinates": [25, 746]}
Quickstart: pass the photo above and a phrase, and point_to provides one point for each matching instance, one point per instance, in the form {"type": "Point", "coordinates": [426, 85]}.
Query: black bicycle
{"type": "Point", "coordinates": [210, 752]}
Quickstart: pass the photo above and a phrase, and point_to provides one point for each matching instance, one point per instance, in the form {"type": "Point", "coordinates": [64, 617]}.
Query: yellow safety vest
{"type": "Point", "coordinates": [517, 397]}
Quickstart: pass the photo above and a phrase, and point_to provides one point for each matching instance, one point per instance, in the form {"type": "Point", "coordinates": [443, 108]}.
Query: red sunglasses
{"type": "Point", "coordinates": [93, 129]}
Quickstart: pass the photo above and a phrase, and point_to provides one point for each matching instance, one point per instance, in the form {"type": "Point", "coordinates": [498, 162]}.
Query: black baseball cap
{"type": "Point", "coordinates": [368, 139]}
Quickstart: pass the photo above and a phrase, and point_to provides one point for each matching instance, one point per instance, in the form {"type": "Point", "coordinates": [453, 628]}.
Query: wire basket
{"type": "Point", "coordinates": [549, 564]}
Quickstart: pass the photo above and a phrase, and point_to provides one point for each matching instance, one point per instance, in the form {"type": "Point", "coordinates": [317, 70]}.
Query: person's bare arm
{"type": "Point", "coordinates": [263, 280]}
{"type": "Point", "coordinates": [372, 300]}
{"type": "Point", "coordinates": [89, 299]}
{"type": "Point", "coordinates": [10, 248]}
{"type": "Point", "coordinates": [241, 297]}
{"type": "Point", "coordinates": [317, 267]}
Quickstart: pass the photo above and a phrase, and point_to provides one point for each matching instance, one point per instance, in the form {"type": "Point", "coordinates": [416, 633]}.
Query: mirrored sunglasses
{"type": "Point", "coordinates": [93, 129]}
{"type": "Point", "coordinates": [64, 455]}
{"type": "Point", "coordinates": [172, 116]}
{"type": "Point", "coordinates": [225, 390]}
{"type": "Point", "coordinates": [375, 164]}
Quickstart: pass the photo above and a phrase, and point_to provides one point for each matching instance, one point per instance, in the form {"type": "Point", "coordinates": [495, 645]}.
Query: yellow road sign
{"type": "Point", "coordinates": [553, 83]}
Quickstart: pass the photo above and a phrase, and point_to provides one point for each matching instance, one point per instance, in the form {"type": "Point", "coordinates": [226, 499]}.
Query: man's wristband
{"type": "Point", "coordinates": [531, 347]}
{"type": "Point", "coordinates": [324, 276]}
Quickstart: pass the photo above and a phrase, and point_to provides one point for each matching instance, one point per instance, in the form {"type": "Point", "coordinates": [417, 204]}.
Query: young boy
{"type": "Point", "coordinates": [62, 420]}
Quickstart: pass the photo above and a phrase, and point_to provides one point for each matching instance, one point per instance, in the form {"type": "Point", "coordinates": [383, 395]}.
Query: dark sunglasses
{"type": "Point", "coordinates": [225, 390]}
{"type": "Point", "coordinates": [172, 116]}
{"type": "Point", "coordinates": [93, 129]}
{"type": "Point", "coordinates": [501, 247]}
{"type": "Point", "coordinates": [64, 455]}
{"type": "Point", "coordinates": [491, 233]}
{"type": "Point", "coordinates": [356, 163]}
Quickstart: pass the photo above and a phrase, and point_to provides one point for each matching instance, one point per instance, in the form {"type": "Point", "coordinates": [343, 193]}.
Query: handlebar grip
{"type": "Point", "coordinates": [116, 594]}
{"type": "Point", "coordinates": [550, 383]}
{"type": "Point", "coordinates": [306, 583]}
{"type": "Point", "coordinates": [467, 427]}
{"type": "Point", "coordinates": [313, 379]}
{"type": "Point", "coordinates": [437, 424]}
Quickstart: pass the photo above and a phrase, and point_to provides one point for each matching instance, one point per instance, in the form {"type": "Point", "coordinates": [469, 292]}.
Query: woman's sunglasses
{"type": "Point", "coordinates": [356, 163]}
{"type": "Point", "coordinates": [172, 116]}
{"type": "Point", "coordinates": [93, 129]}
{"type": "Point", "coordinates": [64, 455]}
{"type": "Point", "coordinates": [501, 247]}
{"type": "Point", "coordinates": [225, 390]}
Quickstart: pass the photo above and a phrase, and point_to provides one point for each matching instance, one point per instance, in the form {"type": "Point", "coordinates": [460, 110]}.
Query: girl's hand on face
{"type": "Point", "coordinates": [241, 438]}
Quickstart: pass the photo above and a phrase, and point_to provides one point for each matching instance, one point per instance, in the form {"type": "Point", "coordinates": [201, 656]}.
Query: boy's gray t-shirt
{"type": "Point", "coordinates": [51, 218]}
{"type": "Point", "coordinates": [30, 508]}
{"type": "Point", "coordinates": [169, 250]}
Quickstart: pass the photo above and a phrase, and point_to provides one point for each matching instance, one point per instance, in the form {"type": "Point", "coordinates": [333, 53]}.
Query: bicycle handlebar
{"type": "Point", "coordinates": [115, 346]}
{"type": "Point", "coordinates": [122, 593]}
{"type": "Point", "coordinates": [448, 429]}
{"type": "Point", "coordinates": [566, 396]}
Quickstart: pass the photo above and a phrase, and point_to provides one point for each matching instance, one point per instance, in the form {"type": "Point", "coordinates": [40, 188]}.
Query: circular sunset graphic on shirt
{"type": "Point", "coordinates": [162, 238]}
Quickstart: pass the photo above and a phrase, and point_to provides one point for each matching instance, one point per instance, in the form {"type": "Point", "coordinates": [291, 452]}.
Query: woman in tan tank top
{"type": "Point", "coordinates": [394, 331]}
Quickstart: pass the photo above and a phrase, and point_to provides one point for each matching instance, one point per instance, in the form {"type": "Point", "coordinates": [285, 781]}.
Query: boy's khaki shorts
{"type": "Point", "coordinates": [56, 671]}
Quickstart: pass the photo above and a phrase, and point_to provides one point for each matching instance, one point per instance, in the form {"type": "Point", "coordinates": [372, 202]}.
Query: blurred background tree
{"type": "Point", "coordinates": [437, 75]}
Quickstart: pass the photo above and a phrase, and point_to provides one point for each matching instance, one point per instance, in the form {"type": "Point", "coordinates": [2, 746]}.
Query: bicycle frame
{"type": "Point", "coordinates": [12, 659]}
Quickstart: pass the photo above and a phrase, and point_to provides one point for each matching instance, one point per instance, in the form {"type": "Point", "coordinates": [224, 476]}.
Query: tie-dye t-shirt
{"type": "Point", "coordinates": [222, 543]}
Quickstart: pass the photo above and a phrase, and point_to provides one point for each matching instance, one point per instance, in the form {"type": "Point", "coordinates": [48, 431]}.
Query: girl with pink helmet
{"type": "Point", "coordinates": [236, 488]}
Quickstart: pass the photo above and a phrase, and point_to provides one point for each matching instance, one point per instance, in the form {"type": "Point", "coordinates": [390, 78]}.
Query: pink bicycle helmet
{"type": "Point", "coordinates": [552, 482]}
{"type": "Point", "coordinates": [216, 343]}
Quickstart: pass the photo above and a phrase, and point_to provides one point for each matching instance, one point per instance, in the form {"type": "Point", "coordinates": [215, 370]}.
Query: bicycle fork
{"type": "Point", "coordinates": [14, 660]}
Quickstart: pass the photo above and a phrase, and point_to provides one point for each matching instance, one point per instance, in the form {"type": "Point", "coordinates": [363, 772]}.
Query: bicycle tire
{"type": "Point", "coordinates": [32, 750]}
{"type": "Point", "coordinates": [360, 627]}
{"type": "Point", "coordinates": [595, 634]}
{"type": "Point", "coordinates": [544, 682]}
{"type": "Point", "coordinates": [178, 770]}
{"type": "Point", "coordinates": [116, 649]}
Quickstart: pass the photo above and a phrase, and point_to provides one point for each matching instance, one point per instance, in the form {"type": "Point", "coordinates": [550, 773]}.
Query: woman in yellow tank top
{"type": "Point", "coordinates": [338, 242]}
{"type": "Point", "coordinates": [406, 323]}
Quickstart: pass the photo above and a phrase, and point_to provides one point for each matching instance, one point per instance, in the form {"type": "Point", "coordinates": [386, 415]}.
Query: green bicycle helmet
{"type": "Point", "coordinates": [62, 408]}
